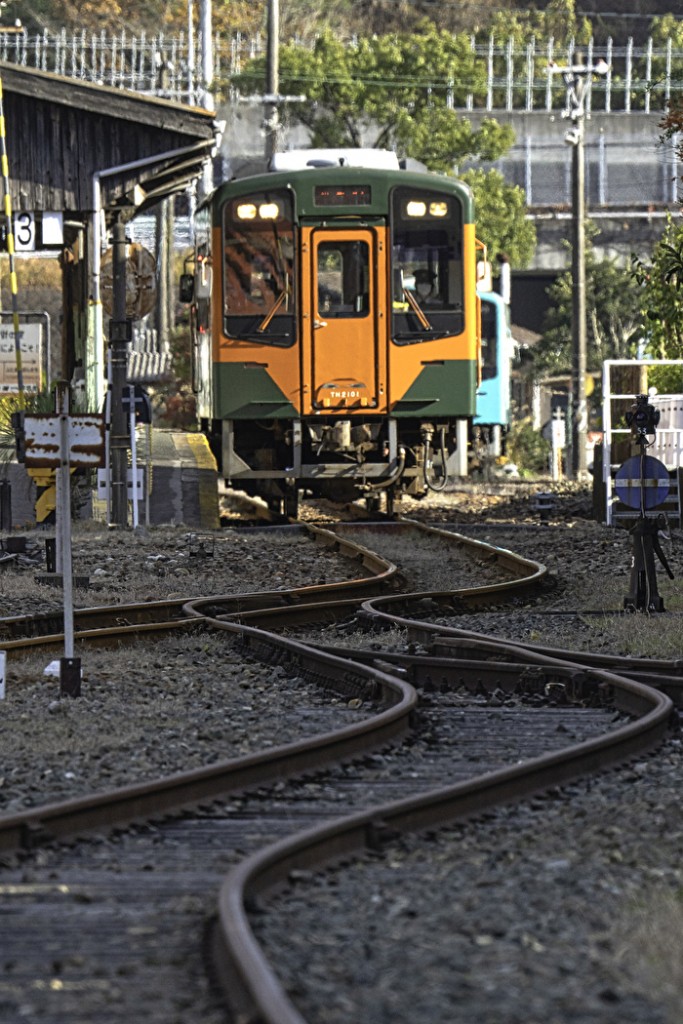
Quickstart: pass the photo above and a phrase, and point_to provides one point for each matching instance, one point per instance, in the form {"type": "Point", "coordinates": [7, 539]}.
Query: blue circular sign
{"type": "Point", "coordinates": [645, 478]}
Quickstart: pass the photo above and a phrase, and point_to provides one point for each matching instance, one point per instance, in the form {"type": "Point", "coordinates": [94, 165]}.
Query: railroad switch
{"type": "Point", "coordinates": [544, 505]}
{"type": "Point", "coordinates": [200, 547]}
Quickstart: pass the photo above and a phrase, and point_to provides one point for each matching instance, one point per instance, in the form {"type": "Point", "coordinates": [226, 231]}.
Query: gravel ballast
{"type": "Point", "coordinates": [549, 913]}
{"type": "Point", "coordinates": [559, 910]}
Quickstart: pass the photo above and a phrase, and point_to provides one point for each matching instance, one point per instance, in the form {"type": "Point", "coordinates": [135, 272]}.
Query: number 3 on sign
{"type": "Point", "coordinates": [24, 231]}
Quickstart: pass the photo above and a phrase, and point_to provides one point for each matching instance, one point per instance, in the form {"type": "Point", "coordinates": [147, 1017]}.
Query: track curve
{"type": "Point", "coordinates": [386, 680]}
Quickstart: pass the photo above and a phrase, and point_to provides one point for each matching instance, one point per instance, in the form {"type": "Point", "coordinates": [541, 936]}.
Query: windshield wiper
{"type": "Point", "coordinates": [429, 335]}
{"type": "Point", "coordinates": [415, 306]}
{"type": "Point", "coordinates": [262, 327]}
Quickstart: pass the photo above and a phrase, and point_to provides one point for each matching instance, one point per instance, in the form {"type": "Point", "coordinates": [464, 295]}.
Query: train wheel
{"type": "Point", "coordinates": [274, 505]}
{"type": "Point", "coordinates": [291, 502]}
{"type": "Point", "coordinates": [373, 503]}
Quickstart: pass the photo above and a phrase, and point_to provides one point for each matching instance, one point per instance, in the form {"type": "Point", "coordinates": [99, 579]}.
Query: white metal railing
{"type": "Point", "coordinates": [668, 441]}
{"type": "Point", "coordinates": [513, 76]}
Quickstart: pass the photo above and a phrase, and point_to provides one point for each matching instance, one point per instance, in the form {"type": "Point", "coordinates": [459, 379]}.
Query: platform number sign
{"type": "Point", "coordinates": [24, 231]}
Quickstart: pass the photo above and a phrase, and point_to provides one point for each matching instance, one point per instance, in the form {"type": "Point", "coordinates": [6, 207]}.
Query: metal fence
{"type": "Point", "coordinates": [615, 175]}
{"type": "Point", "coordinates": [508, 77]}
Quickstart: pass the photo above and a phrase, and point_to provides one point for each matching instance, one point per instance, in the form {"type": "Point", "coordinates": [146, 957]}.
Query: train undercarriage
{"type": "Point", "coordinates": [377, 460]}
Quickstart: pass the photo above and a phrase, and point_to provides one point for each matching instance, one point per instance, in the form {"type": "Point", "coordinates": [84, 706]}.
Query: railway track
{"type": "Point", "coordinates": [436, 700]}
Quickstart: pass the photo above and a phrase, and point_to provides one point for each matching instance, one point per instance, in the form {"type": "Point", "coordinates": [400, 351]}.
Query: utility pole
{"type": "Point", "coordinates": [204, 92]}
{"type": "Point", "coordinates": [579, 410]}
{"type": "Point", "coordinates": [206, 36]}
{"type": "Point", "coordinates": [191, 97]}
{"type": "Point", "coordinates": [271, 112]}
{"type": "Point", "coordinates": [578, 80]}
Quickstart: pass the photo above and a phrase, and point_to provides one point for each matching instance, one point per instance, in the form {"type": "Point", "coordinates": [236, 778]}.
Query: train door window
{"type": "Point", "coordinates": [343, 279]}
{"type": "Point", "coordinates": [427, 266]}
{"type": "Point", "coordinates": [258, 268]}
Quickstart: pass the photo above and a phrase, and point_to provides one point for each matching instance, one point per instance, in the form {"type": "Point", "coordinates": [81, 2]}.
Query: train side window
{"type": "Point", "coordinates": [343, 279]}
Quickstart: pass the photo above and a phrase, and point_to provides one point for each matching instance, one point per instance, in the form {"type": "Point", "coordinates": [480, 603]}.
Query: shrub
{"type": "Point", "coordinates": [527, 448]}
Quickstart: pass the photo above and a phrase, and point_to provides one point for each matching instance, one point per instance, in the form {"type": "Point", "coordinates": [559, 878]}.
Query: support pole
{"type": "Point", "coordinates": [9, 244]}
{"type": "Point", "coordinates": [69, 666]}
{"type": "Point", "coordinates": [119, 338]}
{"type": "Point", "coordinates": [133, 454]}
{"type": "Point", "coordinates": [206, 35]}
{"type": "Point", "coordinates": [63, 482]}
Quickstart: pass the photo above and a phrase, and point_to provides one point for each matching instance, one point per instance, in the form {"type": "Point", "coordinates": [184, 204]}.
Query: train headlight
{"type": "Point", "coordinates": [246, 211]}
{"type": "Point", "coordinates": [423, 208]}
{"type": "Point", "coordinates": [269, 211]}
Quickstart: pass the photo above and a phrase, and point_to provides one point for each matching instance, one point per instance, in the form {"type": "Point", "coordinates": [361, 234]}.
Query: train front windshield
{"type": "Point", "coordinates": [258, 267]}
{"type": "Point", "coordinates": [427, 266]}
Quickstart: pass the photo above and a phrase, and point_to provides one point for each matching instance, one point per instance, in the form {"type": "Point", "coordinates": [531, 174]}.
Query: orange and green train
{"type": "Point", "coordinates": [336, 328]}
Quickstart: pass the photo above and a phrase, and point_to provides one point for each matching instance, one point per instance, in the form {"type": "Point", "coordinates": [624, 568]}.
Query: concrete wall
{"type": "Point", "coordinates": [632, 177]}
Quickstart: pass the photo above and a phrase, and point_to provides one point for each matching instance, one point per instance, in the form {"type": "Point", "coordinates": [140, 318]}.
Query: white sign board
{"type": "Point", "coordinates": [33, 233]}
{"type": "Point", "coordinates": [30, 338]}
{"type": "Point", "coordinates": [53, 229]}
{"type": "Point", "coordinates": [85, 440]}
{"type": "Point", "coordinates": [24, 225]}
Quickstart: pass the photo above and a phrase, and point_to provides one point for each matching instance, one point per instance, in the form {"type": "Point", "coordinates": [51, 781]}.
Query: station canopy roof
{"type": "Point", "coordinates": [72, 145]}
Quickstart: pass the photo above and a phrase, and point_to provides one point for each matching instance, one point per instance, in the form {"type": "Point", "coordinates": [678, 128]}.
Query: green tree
{"type": "Point", "coordinates": [661, 294]}
{"type": "Point", "coordinates": [661, 278]}
{"type": "Point", "coordinates": [374, 91]}
{"type": "Point", "coordinates": [94, 16]}
{"type": "Point", "coordinates": [502, 224]}
{"type": "Point", "coordinates": [398, 92]}
{"type": "Point", "coordinates": [613, 319]}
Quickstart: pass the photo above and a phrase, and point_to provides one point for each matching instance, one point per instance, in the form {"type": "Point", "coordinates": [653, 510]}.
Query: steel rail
{"type": "Point", "coordinates": [183, 789]}
{"type": "Point", "coordinates": [516, 565]}
{"type": "Point", "coordinates": [275, 610]}
{"type": "Point", "coordinates": [380, 573]}
{"type": "Point", "coordinates": [245, 974]}
{"type": "Point", "coordinates": [451, 660]}
{"type": "Point", "coordinates": [526, 577]}
{"type": "Point", "coordinates": [666, 675]}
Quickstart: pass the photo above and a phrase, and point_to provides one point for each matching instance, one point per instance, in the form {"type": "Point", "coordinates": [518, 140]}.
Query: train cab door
{"type": "Point", "coordinates": [344, 334]}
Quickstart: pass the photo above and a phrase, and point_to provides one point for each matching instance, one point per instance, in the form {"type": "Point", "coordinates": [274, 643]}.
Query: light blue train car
{"type": "Point", "coordinates": [493, 411]}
